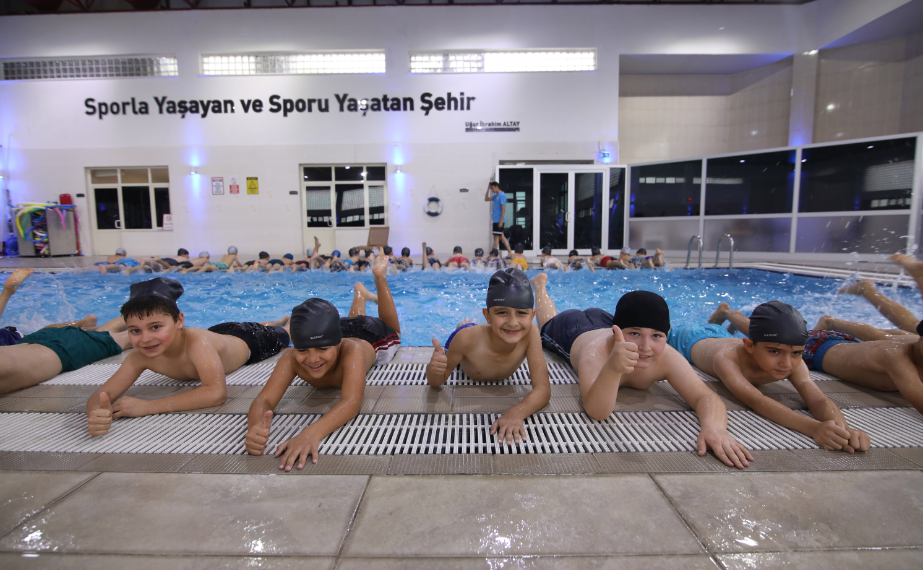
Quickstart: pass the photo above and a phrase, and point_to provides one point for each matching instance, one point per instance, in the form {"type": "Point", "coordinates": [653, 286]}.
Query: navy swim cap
{"type": "Point", "coordinates": [165, 287]}
{"type": "Point", "coordinates": [495, 252]}
{"type": "Point", "coordinates": [353, 251]}
{"type": "Point", "coordinates": [405, 252]}
{"type": "Point", "coordinates": [545, 250]}
{"type": "Point", "coordinates": [387, 249]}
{"type": "Point", "coordinates": [429, 251]}
{"type": "Point", "coordinates": [642, 309]}
{"type": "Point", "coordinates": [457, 249]}
{"type": "Point", "coordinates": [182, 251]}
{"type": "Point", "coordinates": [479, 252]}
{"type": "Point", "coordinates": [572, 253]}
{"type": "Point", "coordinates": [335, 253]}
{"type": "Point", "coordinates": [264, 255]}
{"type": "Point", "coordinates": [594, 251]}
{"type": "Point", "coordinates": [315, 323]}
{"type": "Point", "coordinates": [510, 288]}
{"type": "Point", "coordinates": [288, 256]}
{"type": "Point", "coordinates": [778, 322]}
{"type": "Point", "coordinates": [642, 251]}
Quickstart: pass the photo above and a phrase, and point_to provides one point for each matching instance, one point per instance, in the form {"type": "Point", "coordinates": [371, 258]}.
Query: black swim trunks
{"type": "Point", "coordinates": [374, 331]}
{"type": "Point", "coordinates": [169, 261]}
{"type": "Point", "coordinates": [263, 341]}
{"type": "Point", "coordinates": [185, 265]}
{"type": "Point", "coordinates": [497, 229]}
{"type": "Point", "coordinates": [559, 333]}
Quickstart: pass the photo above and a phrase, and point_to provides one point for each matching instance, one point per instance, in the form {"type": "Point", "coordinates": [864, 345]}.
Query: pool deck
{"type": "Point", "coordinates": [792, 507]}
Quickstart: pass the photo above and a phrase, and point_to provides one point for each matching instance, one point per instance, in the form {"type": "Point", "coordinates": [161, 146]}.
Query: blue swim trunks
{"type": "Point", "coordinates": [451, 336]}
{"type": "Point", "coordinates": [127, 262]}
{"type": "Point", "coordinates": [684, 337]}
{"type": "Point", "coordinates": [819, 342]}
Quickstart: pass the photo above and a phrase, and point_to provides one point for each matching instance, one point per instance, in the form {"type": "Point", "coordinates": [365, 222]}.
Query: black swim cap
{"type": "Point", "coordinates": [545, 250]}
{"type": "Point", "coordinates": [642, 309]}
{"type": "Point", "coordinates": [429, 251]}
{"type": "Point", "coordinates": [920, 328]}
{"type": "Point", "coordinates": [353, 251]}
{"type": "Point", "coordinates": [457, 249]}
{"type": "Point", "coordinates": [405, 252]}
{"type": "Point", "coordinates": [594, 251]}
{"type": "Point", "coordinates": [479, 252]}
{"type": "Point", "coordinates": [165, 287]}
{"type": "Point", "coordinates": [495, 252]}
{"type": "Point", "coordinates": [182, 251]}
{"type": "Point", "coordinates": [510, 288]}
{"type": "Point", "coordinates": [264, 255]}
{"type": "Point", "coordinates": [315, 323]}
{"type": "Point", "coordinates": [387, 249]}
{"type": "Point", "coordinates": [779, 323]}
{"type": "Point", "coordinates": [642, 251]}
{"type": "Point", "coordinates": [519, 248]}
{"type": "Point", "coordinates": [572, 253]}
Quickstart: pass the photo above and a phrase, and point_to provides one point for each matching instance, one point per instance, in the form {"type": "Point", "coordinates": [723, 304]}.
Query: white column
{"type": "Point", "coordinates": [804, 91]}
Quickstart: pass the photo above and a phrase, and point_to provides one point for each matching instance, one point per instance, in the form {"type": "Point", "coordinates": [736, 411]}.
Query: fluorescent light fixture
{"type": "Point", "coordinates": [91, 67]}
{"type": "Point", "coordinates": [305, 63]}
{"type": "Point", "coordinates": [508, 61]}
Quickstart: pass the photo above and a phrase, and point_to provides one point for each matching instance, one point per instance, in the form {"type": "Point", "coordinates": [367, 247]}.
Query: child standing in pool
{"type": "Point", "coordinates": [496, 350]}
{"type": "Point", "coordinates": [163, 345]}
{"type": "Point", "coordinates": [777, 337]}
{"type": "Point", "coordinates": [630, 349]}
{"type": "Point", "coordinates": [329, 352]}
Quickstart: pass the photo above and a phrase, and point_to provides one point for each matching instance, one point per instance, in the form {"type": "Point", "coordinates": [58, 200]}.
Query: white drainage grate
{"type": "Point", "coordinates": [257, 374]}
{"type": "Point", "coordinates": [402, 434]}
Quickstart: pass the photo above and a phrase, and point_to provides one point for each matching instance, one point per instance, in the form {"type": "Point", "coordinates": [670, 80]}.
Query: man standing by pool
{"type": "Point", "coordinates": [498, 197]}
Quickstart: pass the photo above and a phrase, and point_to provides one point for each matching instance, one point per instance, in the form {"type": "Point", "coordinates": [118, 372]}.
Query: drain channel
{"type": "Point", "coordinates": [257, 374]}
{"type": "Point", "coordinates": [402, 434]}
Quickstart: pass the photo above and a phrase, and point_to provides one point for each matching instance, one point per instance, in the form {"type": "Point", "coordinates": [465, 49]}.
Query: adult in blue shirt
{"type": "Point", "coordinates": [498, 197]}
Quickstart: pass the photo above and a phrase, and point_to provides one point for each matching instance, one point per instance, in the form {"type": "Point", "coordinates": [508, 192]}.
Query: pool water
{"type": "Point", "coordinates": [430, 304]}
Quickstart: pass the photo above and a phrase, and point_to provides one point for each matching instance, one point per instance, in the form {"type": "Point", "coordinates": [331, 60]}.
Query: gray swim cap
{"type": "Point", "coordinates": [510, 288]}
{"type": "Point", "coordinates": [232, 250]}
{"type": "Point", "coordinates": [158, 287]}
{"type": "Point", "coordinates": [626, 251]}
{"type": "Point", "coordinates": [121, 251]}
{"type": "Point", "coordinates": [204, 254]}
{"type": "Point", "coordinates": [310, 251]}
{"type": "Point", "coordinates": [314, 324]}
{"type": "Point", "coordinates": [778, 322]}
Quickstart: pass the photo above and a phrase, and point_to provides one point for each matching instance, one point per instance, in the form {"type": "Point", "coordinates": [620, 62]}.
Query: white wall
{"type": "Point", "coordinates": [50, 140]}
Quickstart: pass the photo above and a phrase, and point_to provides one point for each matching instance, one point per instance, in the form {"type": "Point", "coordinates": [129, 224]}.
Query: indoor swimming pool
{"type": "Point", "coordinates": [430, 304]}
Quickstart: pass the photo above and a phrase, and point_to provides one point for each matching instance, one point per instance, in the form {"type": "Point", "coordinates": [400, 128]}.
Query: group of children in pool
{"type": "Point", "coordinates": [634, 347]}
{"type": "Point", "coordinates": [363, 260]}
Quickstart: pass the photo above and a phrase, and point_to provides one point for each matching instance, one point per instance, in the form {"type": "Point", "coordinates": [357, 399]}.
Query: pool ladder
{"type": "Point", "coordinates": [689, 250]}
{"type": "Point", "coordinates": [730, 252]}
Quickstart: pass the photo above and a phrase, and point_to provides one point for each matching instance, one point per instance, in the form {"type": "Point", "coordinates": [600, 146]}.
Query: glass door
{"type": "Point", "coordinates": [555, 212]}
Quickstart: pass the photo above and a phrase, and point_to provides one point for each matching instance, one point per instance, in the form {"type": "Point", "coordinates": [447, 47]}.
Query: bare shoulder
{"type": "Point", "coordinates": [469, 337]}
{"type": "Point", "coordinates": [354, 351]}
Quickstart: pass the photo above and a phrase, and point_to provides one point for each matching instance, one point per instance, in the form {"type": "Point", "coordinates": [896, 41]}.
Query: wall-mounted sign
{"type": "Point", "coordinates": [235, 187]}
{"type": "Point", "coordinates": [217, 185]}
{"type": "Point", "coordinates": [491, 126]}
{"type": "Point", "coordinates": [168, 222]}
{"type": "Point", "coordinates": [253, 185]}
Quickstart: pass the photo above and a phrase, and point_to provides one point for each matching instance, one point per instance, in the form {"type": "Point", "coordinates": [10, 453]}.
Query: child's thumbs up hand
{"type": "Point", "coordinates": [435, 370]}
{"type": "Point", "coordinates": [624, 355]}
{"type": "Point", "coordinates": [99, 420]}
{"type": "Point", "coordinates": [258, 435]}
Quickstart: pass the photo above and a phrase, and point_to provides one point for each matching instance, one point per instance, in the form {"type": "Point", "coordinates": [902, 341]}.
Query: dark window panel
{"type": "Point", "coordinates": [350, 205]}
{"type": "Point", "coordinates": [107, 208]}
{"type": "Point", "coordinates": [376, 173]}
{"type": "Point", "coordinates": [136, 203]}
{"type": "Point", "coordinates": [161, 204]}
{"type": "Point", "coordinates": [672, 189]}
{"type": "Point", "coordinates": [588, 209]}
{"type": "Point", "coordinates": [317, 174]}
{"type": "Point", "coordinates": [348, 173]}
{"type": "Point", "coordinates": [616, 208]}
{"type": "Point", "coordinates": [752, 184]}
{"type": "Point", "coordinates": [517, 184]}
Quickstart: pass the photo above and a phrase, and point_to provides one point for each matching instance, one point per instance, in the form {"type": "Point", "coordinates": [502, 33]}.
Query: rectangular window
{"type": "Point", "coordinates": [130, 198]}
{"type": "Point", "coordinates": [94, 67]}
{"type": "Point", "coordinates": [107, 208]}
{"type": "Point", "coordinates": [350, 205]}
{"type": "Point", "coordinates": [507, 61]}
{"type": "Point", "coordinates": [616, 208]}
{"type": "Point", "coordinates": [305, 63]}
{"type": "Point", "coordinates": [317, 199]}
{"type": "Point", "coordinates": [518, 185]}
{"type": "Point", "coordinates": [136, 205]}
{"type": "Point", "coordinates": [349, 196]}
{"type": "Point", "coordinates": [377, 205]}
{"type": "Point", "coordinates": [750, 184]}
{"type": "Point", "coordinates": [161, 204]}
{"type": "Point", "coordinates": [653, 197]}
{"type": "Point", "coordinates": [874, 175]}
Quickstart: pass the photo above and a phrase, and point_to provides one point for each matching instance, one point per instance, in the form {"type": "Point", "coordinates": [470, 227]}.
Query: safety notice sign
{"type": "Point", "coordinates": [234, 186]}
{"type": "Point", "coordinates": [253, 185]}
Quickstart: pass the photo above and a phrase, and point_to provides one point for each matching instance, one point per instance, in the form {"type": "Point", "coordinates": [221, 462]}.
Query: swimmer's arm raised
{"type": "Point", "coordinates": [710, 410]}
{"type": "Point", "coordinates": [600, 375]}
{"type": "Point", "coordinates": [442, 363]}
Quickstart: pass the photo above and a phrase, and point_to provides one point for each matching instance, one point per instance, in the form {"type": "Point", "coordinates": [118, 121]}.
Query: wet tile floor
{"type": "Point", "coordinates": [801, 508]}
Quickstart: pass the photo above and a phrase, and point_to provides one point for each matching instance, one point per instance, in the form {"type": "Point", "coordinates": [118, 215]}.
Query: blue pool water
{"type": "Point", "coordinates": [430, 304]}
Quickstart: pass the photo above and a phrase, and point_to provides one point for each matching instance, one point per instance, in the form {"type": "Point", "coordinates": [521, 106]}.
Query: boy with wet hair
{"type": "Point", "coordinates": [496, 350]}
{"type": "Point", "coordinates": [329, 352]}
{"type": "Point", "coordinates": [777, 337]}
{"type": "Point", "coordinates": [458, 260]}
{"type": "Point", "coordinates": [163, 345]}
{"type": "Point", "coordinates": [630, 349]}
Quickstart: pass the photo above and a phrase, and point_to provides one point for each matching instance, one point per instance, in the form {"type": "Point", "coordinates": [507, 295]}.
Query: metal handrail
{"type": "Point", "coordinates": [689, 251]}
{"type": "Point", "coordinates": [730, 253]}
